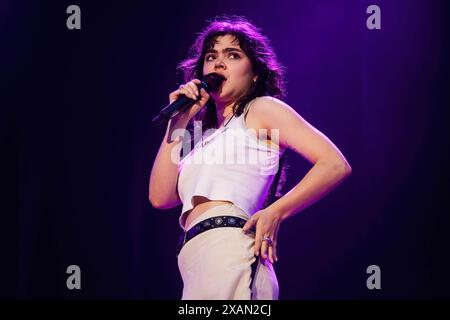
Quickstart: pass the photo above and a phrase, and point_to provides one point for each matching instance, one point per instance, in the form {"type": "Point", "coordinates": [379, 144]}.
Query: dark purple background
{"type": "Point", "coordinates": [78, 145]}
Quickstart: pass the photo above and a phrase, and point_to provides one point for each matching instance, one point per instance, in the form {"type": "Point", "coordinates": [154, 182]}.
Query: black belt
{"type": "Point", "coordinates": [208, 224]}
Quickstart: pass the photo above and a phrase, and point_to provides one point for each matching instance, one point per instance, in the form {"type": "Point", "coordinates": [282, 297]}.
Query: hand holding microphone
{"type": "Point", "coordinates": [194, 93]}
{"type": "Point", "coordinates": [190, 90]}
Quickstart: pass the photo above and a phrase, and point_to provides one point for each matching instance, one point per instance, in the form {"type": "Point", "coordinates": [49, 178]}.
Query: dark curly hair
{"type": "Point", "coordinates": [269, 73]}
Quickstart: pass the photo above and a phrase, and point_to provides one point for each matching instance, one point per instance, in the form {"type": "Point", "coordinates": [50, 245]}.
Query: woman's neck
{"type": "Point", "coordinates": [224, 112]}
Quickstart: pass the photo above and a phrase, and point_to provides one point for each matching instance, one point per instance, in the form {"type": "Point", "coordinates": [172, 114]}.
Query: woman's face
{"type": "Point", "coordinates": [228, 60]}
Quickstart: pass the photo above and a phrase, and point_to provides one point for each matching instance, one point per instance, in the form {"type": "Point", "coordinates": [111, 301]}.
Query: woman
{"type": "Point", "coordinates": [229, 217]}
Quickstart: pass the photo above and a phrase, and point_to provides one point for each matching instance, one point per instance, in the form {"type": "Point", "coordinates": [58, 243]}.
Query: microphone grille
{"type": "Point", "coordinates": [213, 81]}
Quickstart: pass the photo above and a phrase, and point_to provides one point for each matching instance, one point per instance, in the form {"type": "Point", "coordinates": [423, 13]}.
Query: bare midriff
{"type": "Point", "coordinates": [201, 204]}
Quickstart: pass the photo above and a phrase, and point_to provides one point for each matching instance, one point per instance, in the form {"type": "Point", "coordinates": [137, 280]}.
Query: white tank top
{"type": "Point", "coordinates": [231, 164]}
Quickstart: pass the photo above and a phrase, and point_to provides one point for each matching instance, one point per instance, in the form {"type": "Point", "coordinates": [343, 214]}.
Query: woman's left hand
{"type": "Point", "coordinates": [267, 225]}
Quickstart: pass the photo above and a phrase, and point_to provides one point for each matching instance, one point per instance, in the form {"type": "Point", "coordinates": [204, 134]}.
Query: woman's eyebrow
{"type": "Point", "coordinates": [224, 50]}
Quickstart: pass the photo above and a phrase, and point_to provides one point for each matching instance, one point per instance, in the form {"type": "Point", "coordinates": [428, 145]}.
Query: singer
{"type": "Point", "coordinates": [232, 210]}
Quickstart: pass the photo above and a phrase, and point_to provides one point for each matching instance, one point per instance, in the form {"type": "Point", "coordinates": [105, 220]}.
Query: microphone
{"type": "Point", "coordinates": [211, 83]}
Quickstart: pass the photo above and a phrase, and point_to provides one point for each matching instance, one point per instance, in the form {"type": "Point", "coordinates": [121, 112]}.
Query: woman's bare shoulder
{"type": "Point", "coordinates": [294, 131]}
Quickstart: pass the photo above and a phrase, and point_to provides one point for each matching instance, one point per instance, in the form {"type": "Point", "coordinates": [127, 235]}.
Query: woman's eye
{"type": "Point", "coordinates": [233, 56]}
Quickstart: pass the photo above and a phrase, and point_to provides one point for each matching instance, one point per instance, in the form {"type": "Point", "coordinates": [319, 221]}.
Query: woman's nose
{"type": "Point", "coordinates": [219, 64]}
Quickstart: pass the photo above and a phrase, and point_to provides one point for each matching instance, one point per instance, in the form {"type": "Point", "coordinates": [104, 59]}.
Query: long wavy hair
{"type": "Point", "coordinates": [270, 77]}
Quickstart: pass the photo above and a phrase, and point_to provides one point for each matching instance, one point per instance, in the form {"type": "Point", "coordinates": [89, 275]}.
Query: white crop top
{"type": "Point", "coordinates": [231, 164]}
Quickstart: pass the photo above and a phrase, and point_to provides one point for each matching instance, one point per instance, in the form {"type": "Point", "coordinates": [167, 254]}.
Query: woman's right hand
{"type": "Point", "coordinates": [190, 90]}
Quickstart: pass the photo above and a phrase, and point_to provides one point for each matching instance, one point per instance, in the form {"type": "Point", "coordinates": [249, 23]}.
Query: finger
{"type": "Point", "coordinates": [250, 222]}
{"type": "Point", "coordinates": [265, 246]}
{"type": "Point", "coordinates": [173, 96]}
{"type": "Point", "coordinates": [264, 249]}
{"type": "Point", "coordinates": [258, 238]}
{"type": "Point", "coordinates": [204, 94]}
{"type": "Point", "coordinates": [271, 250]}
{"type": "Point", "coordinates": [274, 250]}
{"type": "Point", "coordinates": [194, 88]}
{"type": "Point", "coordinates": [275, 240]}
{"type": "Point", "coordinates": [187, 91]}
{"type": "Point", "coordinates": [270, 254]}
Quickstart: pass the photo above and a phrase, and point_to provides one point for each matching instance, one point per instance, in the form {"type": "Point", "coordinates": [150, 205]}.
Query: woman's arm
{"type": "Point", "coordinates": [162, 191]}
{"type": "Point", "coordinates": [329, 169]}
{"type": "Point", "coordinates": [321, 179]}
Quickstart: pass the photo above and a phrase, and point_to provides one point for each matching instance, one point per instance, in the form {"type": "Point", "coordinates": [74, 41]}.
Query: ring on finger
{"type": "Point", "coordinates": [269, 241]}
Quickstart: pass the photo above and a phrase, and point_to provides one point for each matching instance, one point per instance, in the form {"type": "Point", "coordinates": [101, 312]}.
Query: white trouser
{"type": "Point", "coordinates": [216, 264]}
